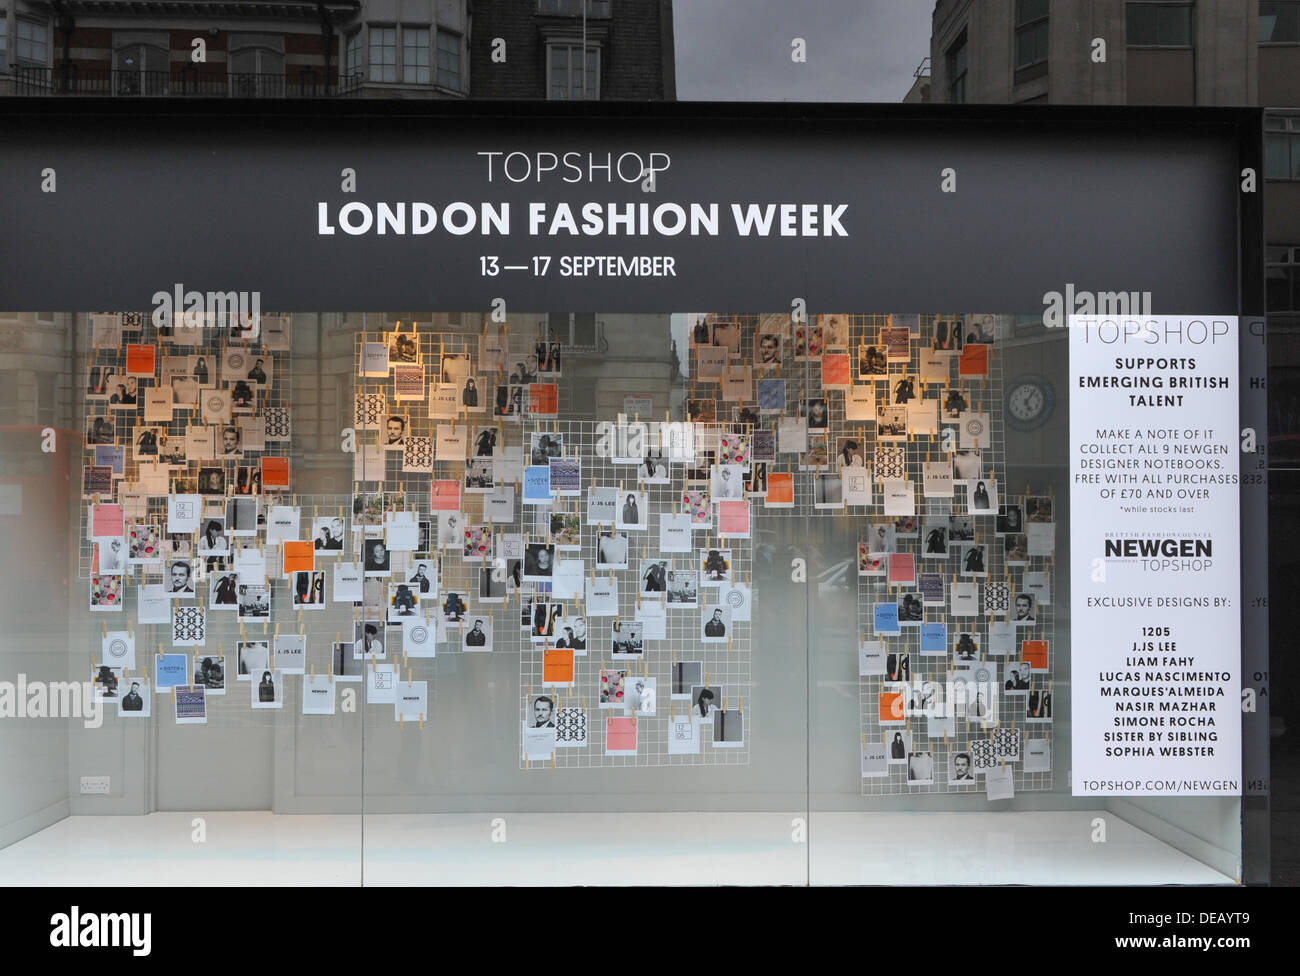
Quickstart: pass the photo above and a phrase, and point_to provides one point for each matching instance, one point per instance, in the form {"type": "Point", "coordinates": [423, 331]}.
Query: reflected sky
{"type": "Point", "coordinates": [858, 50]}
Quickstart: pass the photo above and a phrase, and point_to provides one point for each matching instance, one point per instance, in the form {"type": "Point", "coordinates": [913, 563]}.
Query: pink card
{"type": "Point", "coordinates": [446, 495]}
{"type": "Point", "coordinates": [733, 518]}
{"type": "Point", "coordinates": [902, 569]}
{"type": "Point", "coordinates": [106, 521]}
{"type": "Point", "coordinates": [620, 735]}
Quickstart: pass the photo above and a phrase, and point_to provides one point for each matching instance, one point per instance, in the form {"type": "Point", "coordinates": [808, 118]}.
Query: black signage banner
{"type": "Point", "coordinates": [345, 206]}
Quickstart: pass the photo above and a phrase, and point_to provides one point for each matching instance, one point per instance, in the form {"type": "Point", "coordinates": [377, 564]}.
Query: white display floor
{"type": "Point", "coordinates": [259, 848]}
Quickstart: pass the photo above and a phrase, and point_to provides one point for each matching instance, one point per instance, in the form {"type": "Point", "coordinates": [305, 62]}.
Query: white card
{"type": "Point", "coordinates": [683, 736]}
{"type": "Point", "coordinates": [153, 604]}
{"type": "Point", "coordinates": [183, 514]}
{"type": "Point", "coordinates": [282, 524]}
{"type": "Point", "coordinates": [1038, 756]}
{"type": "Point", "coordinates": [250, 564]}
{"type": "Point", "coordinates": [602, 597]}
{"type": "Point", "coordinates": [654, 616]}
{"type": "Point", "coordinates": [674, 532]}
{"type": "Point", "coordinates": [348, 583]}
{"type": "Point", "coordinates": [411, 701]}
{"type": "Point", "coordinates": [900, 497]}
{"type": "Point", "coordinates": [318, 696]}
{"type": "Point", "coordinates": [566, 580]}
{"type": "Point", "coordinates": [999, 783]}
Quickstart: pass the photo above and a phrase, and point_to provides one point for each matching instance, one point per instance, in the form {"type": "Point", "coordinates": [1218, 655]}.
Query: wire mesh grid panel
{"type": "Point", "coordinates": [644, 658]}
{"type": "Point", "coordinates": [955, 615]}
{"type": "Point", "coordinates": [192, 426]}
{"type": "Point", "coordinates": [441, 421]}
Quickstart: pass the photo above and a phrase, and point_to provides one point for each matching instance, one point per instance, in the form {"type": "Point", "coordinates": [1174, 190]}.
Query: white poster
{"type": "Point", "coordinates": [1155, 556]}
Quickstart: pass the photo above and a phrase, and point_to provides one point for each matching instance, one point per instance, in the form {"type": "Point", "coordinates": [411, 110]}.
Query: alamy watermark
{"type": "Point", "coordinates": [51, 699]}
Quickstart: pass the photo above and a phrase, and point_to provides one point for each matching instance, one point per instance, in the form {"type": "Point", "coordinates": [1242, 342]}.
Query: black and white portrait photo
{"type": "Point", "coordinates": [1009, 520]}
{"type": "Point", "coordinates": [180, 578]}
{"type": "Point", "coordinates": [967, 465]}
{"type": "Point", "coordinates": [817, 414]}
{"type": "Point", "coordinates": [633, 511]}
{"type": "Point", "coordinates": [959, 769]}
{"type": "Point", "coordinates": [611, 550]}
{"type": "Point", "coordinates": [1017, 682]}
{"type": "Point", "coordinates": [376, 557]}
{"type": "Point", "coordinates": [715, 624]}
{"type": "Point", "coordinates": [541, 712]}
{"type": "Point", "coordinates": [539, 562]}
{"type": "Point", "coordinates": [478, 636]}
{"type": "Point", "coordinates": [920, 769]}
{"type": "Point", "coordinates": [395, 432]}
{"type": "Point", "coordinates": [715, 567]}
{"type": "Point", "coordinates": [212, 481]}
{"type": "Point", "coordinates": [223, 590]}
{"type": "Point", "coordinates": [212, 538]}
{"type": "Point", "coordinates": [973, 562]}
{"type": "Point", "coordinates": [253, 656]}
{"type": "Point", "coordinates": [703, 702]}
{"type": "Point", "coordinates": [1024, 609]}
{"type": "Point", "coordinates": [728, 482]}
{"type": "Point", "coordinates": [327, 534]}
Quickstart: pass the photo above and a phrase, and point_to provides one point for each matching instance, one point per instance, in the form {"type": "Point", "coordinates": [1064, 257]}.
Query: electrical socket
{"type": "Point", "coordinates": [94, 784]}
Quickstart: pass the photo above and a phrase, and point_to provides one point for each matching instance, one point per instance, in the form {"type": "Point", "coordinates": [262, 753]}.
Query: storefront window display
{"type": "Point", "coordinates": [773, 578]}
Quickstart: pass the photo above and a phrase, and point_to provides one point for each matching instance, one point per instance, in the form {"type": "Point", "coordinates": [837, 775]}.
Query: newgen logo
{"type": "Point", "coordinates": [1187, 548]}
{"type": "Point", "coordinates": [74, 930]}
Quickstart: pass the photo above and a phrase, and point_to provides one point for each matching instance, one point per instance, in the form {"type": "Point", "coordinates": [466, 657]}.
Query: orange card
{"type": "Point", "coordinates": [974, 361]}
{"type": "Point", "coordinates": [891, 706]}
{"type": "Point", "coordinates": [835, 371]}
{"type": "Point", "coordinates": [1035, 652]}
{"type": "Point", "coordinates": [446, 495]}
{"type": "Point", "coordinates": [557, 666]}
{"type": "Point", "coordinates": [543, 399]}
{"type": "Point", "coordinates": [139, 360]}
{"type": "Point", "coordinates": [275, 473]}
{"type": "Point", "coordinates": [780, 489]}
{"type": "Point", "coordinates": [298, 557]}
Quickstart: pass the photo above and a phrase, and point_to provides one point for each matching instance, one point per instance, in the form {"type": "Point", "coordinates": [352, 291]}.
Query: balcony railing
{"type": "Point", "coordinates": [102, 81]}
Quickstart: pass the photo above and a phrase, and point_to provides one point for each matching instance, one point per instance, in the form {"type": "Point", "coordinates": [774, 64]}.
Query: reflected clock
{"type": "Point", "coordinates": [1030, 401]}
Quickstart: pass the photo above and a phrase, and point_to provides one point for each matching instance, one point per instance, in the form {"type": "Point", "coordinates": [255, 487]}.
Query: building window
{"type": "Point", "coordinates": [449, 60]}
{"type": "Point", "coordinates": [1031, 32]}
{"type": "Point", "coordinates": [1282, 279]}
{"type": "Point", "coordinates": [140, 63]}
{"type": "Point", "coordinates": [417, 56]}
{"type": "Point", "coordinates": [565, 70]}
{"type": "Point", "coordinates": [1279, 22]}
{"type": "Point", "coordinates": [4, 40]}
{"type": "Point", "coordinates": [1159, 25]}
{"type": "Point", "coordinates": [956, 59]}
{"type": "Point", "coordinates": [33, 41]}
{"type": "Point", "coordinates": [1282, 148]}
{"type": "Point", "coordinates": [352, 54]}
{"type": "Point", "coordinates": [573, 8]}
{"type": "Point", "coordinates": [383, 54]}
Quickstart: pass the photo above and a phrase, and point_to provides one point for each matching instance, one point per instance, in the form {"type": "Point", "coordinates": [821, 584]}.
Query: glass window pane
{"type": "Point", "coordinates": [1277, 166]}
{"type": "Point", "coordinates": [1141, 23]}
{"type": "Point", "coordinates": [1295, 156]}
{"type": "Point", "coordinates": [1174, 26]}
{"type": "Point", "coordinates": [1027, 10]}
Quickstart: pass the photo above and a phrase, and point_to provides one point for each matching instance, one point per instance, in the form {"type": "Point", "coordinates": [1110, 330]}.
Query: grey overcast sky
{"type": "Point", "coordinates": [858, 50]}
